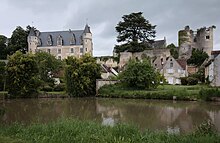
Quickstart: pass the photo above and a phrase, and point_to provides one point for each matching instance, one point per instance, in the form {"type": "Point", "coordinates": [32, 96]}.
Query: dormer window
{"type": "Point", "coordinates": [59, 41]}
{"type": "Point", "coordinates": [73, 40]}
{"type": "Point", "coordinates": [49, 40]}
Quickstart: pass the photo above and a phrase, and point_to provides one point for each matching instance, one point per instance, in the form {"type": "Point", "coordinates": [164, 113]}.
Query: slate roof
{"type": "Point", "coordinates": [66, 36]}
{"type": "Point", "coordinates": [182, 63]}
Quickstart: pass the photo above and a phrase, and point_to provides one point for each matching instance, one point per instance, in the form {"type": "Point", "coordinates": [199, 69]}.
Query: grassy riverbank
{"type": "Point", "coordinates": [167, 92]}
{"type": "Point", "coordinates": [70, 131]}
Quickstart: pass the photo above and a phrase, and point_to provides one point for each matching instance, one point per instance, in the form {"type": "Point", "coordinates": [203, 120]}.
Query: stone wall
{"type": "Point", "coordinates": [102, 82]}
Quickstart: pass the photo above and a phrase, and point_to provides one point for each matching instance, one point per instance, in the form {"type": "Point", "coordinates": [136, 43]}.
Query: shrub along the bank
{"type": "Point", "coordinates": [208, 94]}
{"type": "Point", "coordinates": [81, 75]}
{"type": "Point", "coordinates": [119, 91]}
{"type": "Point", "coordinates": [71, 131]}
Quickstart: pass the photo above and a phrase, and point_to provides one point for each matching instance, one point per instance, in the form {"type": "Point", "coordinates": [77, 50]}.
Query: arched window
{"type": "Point", "coordinates": [49, 40]}
{"type": "Point", "coordinates": [59, 40]}
{"type": "Point", "coordinates": [73, 40]}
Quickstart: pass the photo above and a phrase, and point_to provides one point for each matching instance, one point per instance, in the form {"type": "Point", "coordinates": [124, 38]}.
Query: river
{"type": "Point", "coordinates": [171, 116]}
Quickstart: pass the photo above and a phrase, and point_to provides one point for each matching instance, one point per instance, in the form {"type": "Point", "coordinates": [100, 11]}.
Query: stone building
{"type": "Point", "coordinates": [158, 51]}
{"type": "Point", "coordinates": [61, 43]}
{"type": "Point", "coordinates": [173, 70]}
{"type": "Point", "coordinates": [212, 69]}
{"type": "Point", "coordinates": [201, 39]}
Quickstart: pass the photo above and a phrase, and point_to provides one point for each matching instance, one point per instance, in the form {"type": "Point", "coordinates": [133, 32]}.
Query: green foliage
{"type": "Point", "coordinates": [81, 75]}
{"type": "Point", "coordinates": [22, 75]}
{"type": "Point", "coordinates": [3, 46]}
{"type": "Point", "coordinates": [206, 128]}
{"type": "Point", "coordinates": [200, 74]}
{"type": "Point", "coordinates": [182, 37]}
{"type": "Point", "coordinates": [197, 58]}
{"type": "Point", "coordinates": [48, 66]}
{"type": "Point", "coordinates": [192, 81]}
{"type": "Point", "coordinates": [140, 75]}
{"type": "Point", "coordinates": [59, 87]}
{"type": "Point", "coordinates": [173, 51]}
{"type": "Point", "coordinates": [166, 92]}
{"type": "Point", "coordinates": [74, 131]}
{"type": "Point", "coordinates": [47, 88]}
{"type": "Point", "coordinates": [2, 75]}
{"type": "Point", "coordinates": [18, 41]}
{"type": "Point", "coordinates": [134, 31]}
{"type": "Point", "coordinates": [208, 94]}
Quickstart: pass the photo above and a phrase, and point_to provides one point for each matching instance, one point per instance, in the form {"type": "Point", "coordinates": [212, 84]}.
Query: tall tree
{"type": "Point", "coordinates": [173, 50]}
{"type": "Point", "coordinates": [197, 58]}
{"type": "Point", "coordinates": [18, 41]}
{"type": "Point", "coordinates": [2, 75]}
{"type": "Point", "coordinates": [48, 66]}
{"type": "Point", "coordinates": [140, 75]}
{"type": "Point", "coordinates": [134, 32]}
{"type": "Point", "coordinates": [22, 75]}
{"type": "Point", "coordinates": [3, 46]}
{"type": "Point", "coordinates": [81, 75]}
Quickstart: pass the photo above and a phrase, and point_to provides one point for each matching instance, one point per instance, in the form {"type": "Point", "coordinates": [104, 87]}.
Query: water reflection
{"type": "Point", "coordinates": [173, 117]}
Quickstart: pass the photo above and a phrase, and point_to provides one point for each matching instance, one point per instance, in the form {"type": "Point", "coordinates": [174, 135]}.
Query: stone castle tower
{"type": "Point", "coordinates": [201, 39]}
{"type": "Point", "coordinates": [61, 43]}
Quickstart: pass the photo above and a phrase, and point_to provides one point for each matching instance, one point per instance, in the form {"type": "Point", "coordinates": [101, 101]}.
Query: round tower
{"type": "Point", "coordinates": [87, 40]}
{"type": "Point", "coordinates": [32, 41]}
{"type": "Point", "coordinates": [185, 41]}
{"type": "Point", "coordinates": [204, 39]}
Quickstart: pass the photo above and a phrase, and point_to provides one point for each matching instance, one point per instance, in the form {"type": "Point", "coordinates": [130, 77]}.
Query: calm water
{"type": "Point", "coordinates": [146, 114]}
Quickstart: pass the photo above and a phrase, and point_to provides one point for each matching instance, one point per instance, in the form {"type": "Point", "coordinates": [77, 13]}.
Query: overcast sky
{"type": "Point", "coordinates": [54, 15]}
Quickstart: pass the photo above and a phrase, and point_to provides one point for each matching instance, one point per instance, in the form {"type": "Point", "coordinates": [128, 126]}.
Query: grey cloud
{"type": "Point", "coordinates": [169, 16]}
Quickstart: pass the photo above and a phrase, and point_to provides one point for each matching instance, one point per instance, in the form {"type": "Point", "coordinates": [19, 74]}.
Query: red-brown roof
{"type": "Point", "coordinates": [215, 52]}
{"type": "Point", "coordinates": [182, 63]}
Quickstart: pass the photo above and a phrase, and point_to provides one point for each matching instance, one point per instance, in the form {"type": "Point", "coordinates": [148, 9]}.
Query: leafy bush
{"type": "Point", "coordinates": [59, 87]}
{"type": "Point", "coordinates": [184, 80]}
{"type": "Point", "coordinates": [207, 94]}
{"type": "Point", "coordinates": [140, 75]}
{"type": "Point", "coordinates": [205, 128]}
{"type": "Point", "coordinates": [192, 81]}
{"type": "Point", "coordinates": [81, 75]}
{"type": "Point", "coordinates": [47, 88]}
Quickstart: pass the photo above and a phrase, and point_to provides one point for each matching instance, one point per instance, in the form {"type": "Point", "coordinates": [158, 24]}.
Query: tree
{"type": "Point", "coordinates": [197, 58]}
{"type": "Point", "coordinates": [18, 41]}
{"type": "Point", "coordinates": [2, 75]}
{"type": "Point", "coordinates": [173, 50]}
{"type": "Point", "coordinates": [48, 66]}
{"type": "Point", "coordinates": [134, 32]}
{"type": "Point", "coordinates": [140, 75]}
{"type": "Point", "coordinates": [22, 75]}
{"type": "Point", "coordinates": [81, 75]}
{"type": "Point", "coordinates": [3, 46]}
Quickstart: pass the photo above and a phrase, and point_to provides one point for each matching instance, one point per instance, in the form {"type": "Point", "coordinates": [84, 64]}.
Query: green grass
{"type": "Point", "coordinates": [166, 92]}
{"type": "Point", "coordinates": [10, 140]}
{"type": "Point", "coordinates": [74, 131]}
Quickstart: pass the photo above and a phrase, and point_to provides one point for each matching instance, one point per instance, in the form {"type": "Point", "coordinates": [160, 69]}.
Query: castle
{"type": "Point", "coordinates": [61, 44]}
{"type": "Point", "coordinates": [201, 39]}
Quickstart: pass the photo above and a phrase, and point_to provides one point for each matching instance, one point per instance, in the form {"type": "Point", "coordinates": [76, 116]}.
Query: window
{"type": "Point", "coordinates": [171, 65]}
{"type": "Point", "coordinates": [49, 40]}
{"type": "Point", "coordinates": [59, 40]}
{"type": "Point", "coordinates": [59, 57]}
{"type": "Point", "coordinates": [155, 65]}
{"type": "Point", "coordinates": [81, 50]}
{"type": "Point", "coordinates": [71, 50]}
{"type": "Point", "coordinates": [207, 37]}
{"type": "Point", "coordinates": [59, 51]}
{"type": "Point", "coordinates": [48, 50]}
{"type": "Point", "coordinates": [73, 40]}
{"type": "Point", "coordinates": [86, 49]}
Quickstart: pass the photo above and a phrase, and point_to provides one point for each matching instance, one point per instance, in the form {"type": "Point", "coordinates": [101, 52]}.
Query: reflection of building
{"type": "Point", "coordinates": [61, 43]}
